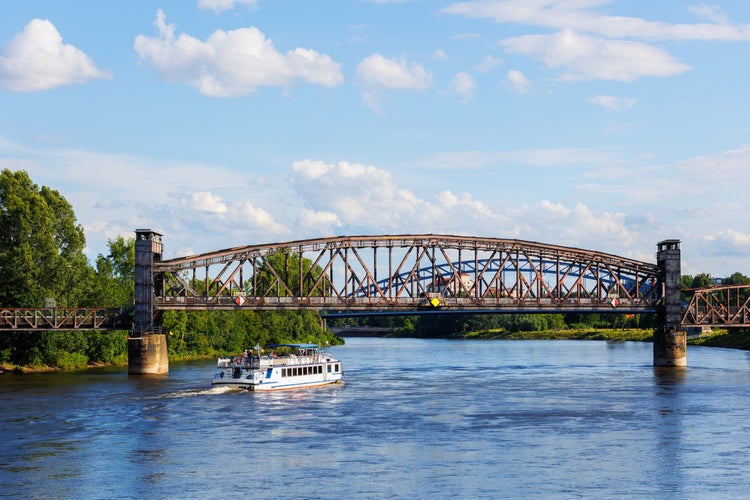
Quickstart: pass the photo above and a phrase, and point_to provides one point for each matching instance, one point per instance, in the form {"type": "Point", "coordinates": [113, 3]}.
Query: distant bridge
{"type": "Point", "coordinates": [727, 306]}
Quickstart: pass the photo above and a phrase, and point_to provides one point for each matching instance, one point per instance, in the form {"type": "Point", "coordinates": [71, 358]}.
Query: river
{"type": "Point", "coordinates": [415, 419]}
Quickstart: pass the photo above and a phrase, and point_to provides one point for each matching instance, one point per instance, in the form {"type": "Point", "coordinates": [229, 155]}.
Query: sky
{"type": "Point", "coordinates": [607, 125]}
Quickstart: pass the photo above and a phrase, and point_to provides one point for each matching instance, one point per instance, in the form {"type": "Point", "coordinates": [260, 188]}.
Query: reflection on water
{"type": "Point", "coordinates": [416, 418]}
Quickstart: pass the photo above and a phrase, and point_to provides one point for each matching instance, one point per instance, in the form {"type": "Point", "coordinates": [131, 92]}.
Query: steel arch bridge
{"type": "Point", "coordinates": [401, 273]}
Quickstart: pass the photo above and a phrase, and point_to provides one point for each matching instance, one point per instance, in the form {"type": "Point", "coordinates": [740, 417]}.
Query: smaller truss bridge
{"type": "Point", "coordinates": [406, 273]}
{"type": "Point", "coordinates": [725, 306]}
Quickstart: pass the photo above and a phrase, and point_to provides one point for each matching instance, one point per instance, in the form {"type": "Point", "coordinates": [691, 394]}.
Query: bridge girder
{"type": "Point", "coordinates": [726, 306]}
{"type": "Point", "coordinates": [407, 272]}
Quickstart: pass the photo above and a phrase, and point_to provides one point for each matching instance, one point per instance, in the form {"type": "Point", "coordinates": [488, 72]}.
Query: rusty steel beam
{"type": "Point", "coordinates": [63, 319]}
{"type": "Point", "coordinates": [406, 273]}
{"type": "Point", "coordinates": [725, 306]}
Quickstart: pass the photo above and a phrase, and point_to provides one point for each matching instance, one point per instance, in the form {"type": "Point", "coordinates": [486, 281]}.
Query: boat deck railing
{"type": "Point", "coordinates": [255, 362]}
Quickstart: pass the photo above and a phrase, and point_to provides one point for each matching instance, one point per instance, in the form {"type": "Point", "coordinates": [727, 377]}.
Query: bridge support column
{"type": "Point", "coordinates": [147, 347]}
{"type": "Point", "coordinates": [148, 355]}
{"type": "Point", "coordinates": [670, 340]}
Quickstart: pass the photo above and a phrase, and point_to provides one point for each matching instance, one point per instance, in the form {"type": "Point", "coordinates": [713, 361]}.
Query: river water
{"type": "Point", "coordinates": [415, 419]}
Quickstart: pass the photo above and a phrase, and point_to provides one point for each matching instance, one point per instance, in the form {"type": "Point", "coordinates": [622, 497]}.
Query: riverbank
{"type": "Point", "coordinates": [716, 338]}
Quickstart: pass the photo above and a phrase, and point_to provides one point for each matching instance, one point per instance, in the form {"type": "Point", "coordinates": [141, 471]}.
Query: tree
{"type": "Point", "coordinates": [736, 279]}
{"type": "Point", "coordinates": [41, 245]}
{"type": "Point", "coordinates": [284, 268]}
{"type": "Point", "coordinates": [112, 285]}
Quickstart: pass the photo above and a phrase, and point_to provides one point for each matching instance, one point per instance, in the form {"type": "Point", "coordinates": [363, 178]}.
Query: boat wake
{"type": "Point", "coordinates": [202, 392]}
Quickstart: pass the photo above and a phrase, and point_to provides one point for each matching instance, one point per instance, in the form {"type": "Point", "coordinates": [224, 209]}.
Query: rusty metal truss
{"type": "Point", "coordinates": [726, 306]}
{"type": "Point", "coordinates": [407, 273]}
{"type": "Point", "coordinates": [63, 319]}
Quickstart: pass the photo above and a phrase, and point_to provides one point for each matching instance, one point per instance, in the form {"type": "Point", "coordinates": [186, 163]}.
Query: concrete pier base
{"type": "Point", "coordinates": [670, 348]}
{"type": "Point", "coordinates": [147, 355]}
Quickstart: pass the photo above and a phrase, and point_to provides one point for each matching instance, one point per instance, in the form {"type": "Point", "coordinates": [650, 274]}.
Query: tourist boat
{"type": "Point", "coordinates": [279, 366]}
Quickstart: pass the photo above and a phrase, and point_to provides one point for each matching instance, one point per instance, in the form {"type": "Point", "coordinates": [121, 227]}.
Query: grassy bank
{"type": "Point", "coordinates": [632, 334]}
{"type": "Point", "coordinates": [718, 338]}
{"type": "Point", "coordinates": [733, 339]}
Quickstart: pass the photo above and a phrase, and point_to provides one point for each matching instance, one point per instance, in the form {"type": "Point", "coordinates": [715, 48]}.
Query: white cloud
{"type": "Point", "coordinates": [359, 195]}
{"type": "Point", "coordinates": [439, 55]}
{"type": "Point", "coordinates": [259, 219]}
{"type": "Point", "coordinates": [517, 81]}
{"type": "Point", "coordinates": [222, 5]}
{"type": "Point", "coordinates": [317, 223]}
{"type": "Point", "coordinates": [380, 72]}
{"type": "Point", "coordinates": [488, 64]}
{"type": "Point", "coordinates": [581, 16]}
{"type": "Point", "coordinates": [232, 63]}
{"type": "Point", "coordinates": [612, 103]}
{"type": "Point", "coordinates": [37, 59]}
{"type": "Point", "coordinates": [710, 12]}
{"type": "Point", "coordinates": [728, 243]}
{"type": "Point", "coordinates": [587, 58]}
{"type": "Point", "coordinates": [207, 202]}
{"type": "Point", "coordinates": [463, 85]}
{"type": "Point", "coordinates": [377, 74]}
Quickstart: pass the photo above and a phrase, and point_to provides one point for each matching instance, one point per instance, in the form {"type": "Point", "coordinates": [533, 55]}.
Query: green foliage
{"type": "Point", "coordinates": [203, 333]}
{"type": "Point", "coordinates": [41, 245]}
{"type": "Point", "coordinates": [284, 274]}
{"type": "Point", "coordinates": [112, 284]}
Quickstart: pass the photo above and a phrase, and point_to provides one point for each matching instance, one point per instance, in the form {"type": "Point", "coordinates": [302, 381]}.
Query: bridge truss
{"type": "Point", "coordinates": [64, 318]}
{"type": "Point", "coordinates": [407, 273]}
{"type": "Point", "coordinates": [725, 306]}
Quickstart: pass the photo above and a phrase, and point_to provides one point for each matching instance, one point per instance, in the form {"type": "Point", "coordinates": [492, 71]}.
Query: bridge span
{"type": "Point", "coordinates": [402, 273]}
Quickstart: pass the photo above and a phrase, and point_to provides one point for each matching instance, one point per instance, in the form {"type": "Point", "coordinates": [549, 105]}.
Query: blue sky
{"type": "Point", "coordinates": [600, 124]}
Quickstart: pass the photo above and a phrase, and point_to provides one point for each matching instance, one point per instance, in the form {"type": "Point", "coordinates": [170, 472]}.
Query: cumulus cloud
{"type": "Point", "coordinates": [318, 222]}
{"type": "Point", "coordinates": [232, 63]}
{"type": "Point", "coordinates": [517, 81]}
{"type": "Point", "coordinates": [37, 59]}
{"type": "Point", "coordinates": [392, 74]}
{"type": "Point", "coordinates": [464, 86]}
{"type": "Point", "coordinates": [359, 195]}
{"type": "Point", "coordinates": [207, 202]}
{"type": "Point", "coordinates": [222, 5]}
{"type": "Point", "coordinates": [612, 103]}
{"type": "Point", "coordinates": [377, 73]}
{"type": "Point", "coordinates": [586, 57]}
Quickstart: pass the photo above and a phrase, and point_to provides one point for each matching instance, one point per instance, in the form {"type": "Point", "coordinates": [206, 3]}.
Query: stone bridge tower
{"type": "Point", "coordinates": [147, 346]}
{"type": "Point", "coordinates": [670, 340]}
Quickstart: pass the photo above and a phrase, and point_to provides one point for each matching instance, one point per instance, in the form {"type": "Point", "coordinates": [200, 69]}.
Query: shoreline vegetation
{"type": "Point", "coordinates": [717, 338]}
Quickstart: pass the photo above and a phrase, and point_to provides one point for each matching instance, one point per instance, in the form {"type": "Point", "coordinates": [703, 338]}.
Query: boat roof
{"type": "Point", "coordinates": [294, 346]}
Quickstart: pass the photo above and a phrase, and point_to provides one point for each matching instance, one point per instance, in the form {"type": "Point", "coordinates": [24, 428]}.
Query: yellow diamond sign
{"type": "Point", "coordinates": [435, 302]}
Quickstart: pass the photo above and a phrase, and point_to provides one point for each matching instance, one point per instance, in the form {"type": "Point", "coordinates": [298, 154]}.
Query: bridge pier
{"type": "Point", "coordinates": [670, 340]}
{"type": "Point", "coordinates": [147, 346]}
{"type": "Point", "coordinates": [148, 355]}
